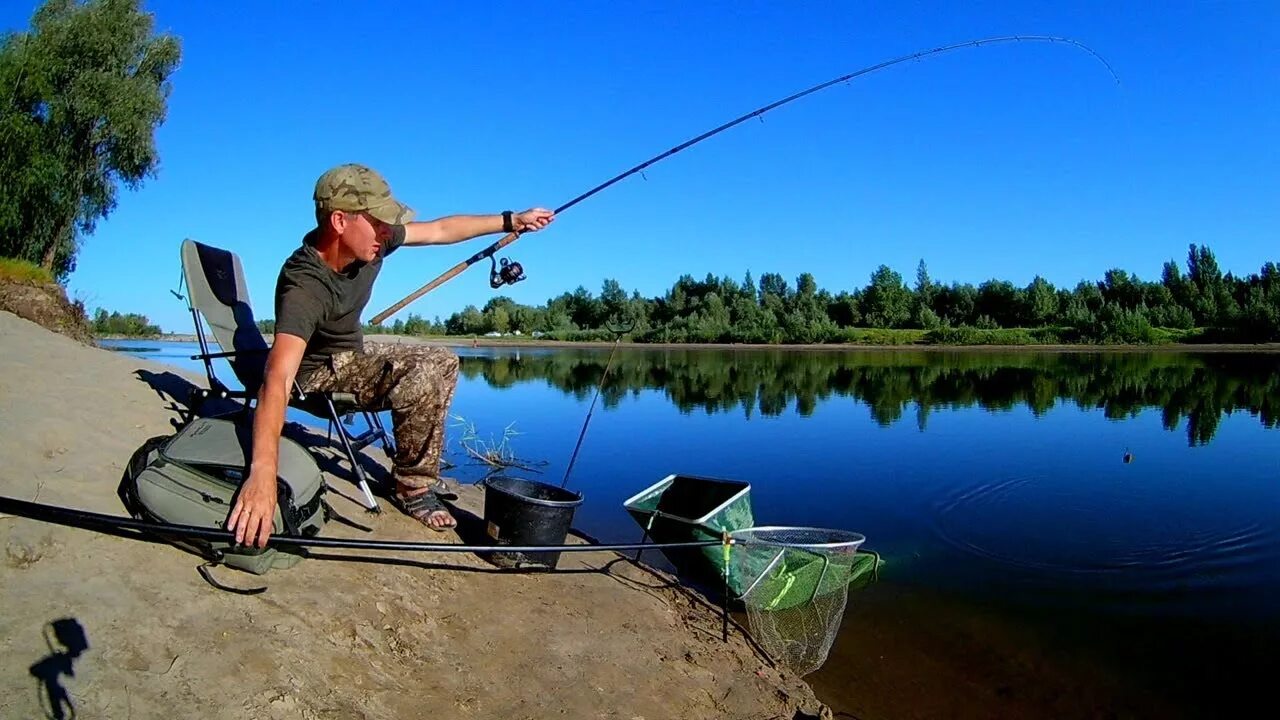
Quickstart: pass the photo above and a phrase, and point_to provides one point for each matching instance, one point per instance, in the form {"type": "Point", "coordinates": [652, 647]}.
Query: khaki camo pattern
{"type": "Point", "coordinates": [415, 383]}
{"type": "Point", "coordinates": [357, 188]}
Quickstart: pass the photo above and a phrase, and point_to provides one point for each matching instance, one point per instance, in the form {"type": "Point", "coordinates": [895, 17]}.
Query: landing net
{"type": "Point", "coordinates": [796, 584]}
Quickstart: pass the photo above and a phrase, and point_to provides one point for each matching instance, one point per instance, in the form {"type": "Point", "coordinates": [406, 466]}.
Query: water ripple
{"type": "Point", "coordinates": [1049, 528]}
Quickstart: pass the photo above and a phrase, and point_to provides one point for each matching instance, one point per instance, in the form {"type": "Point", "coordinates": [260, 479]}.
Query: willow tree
{"type": "Point", "coordinates": [81, 95]}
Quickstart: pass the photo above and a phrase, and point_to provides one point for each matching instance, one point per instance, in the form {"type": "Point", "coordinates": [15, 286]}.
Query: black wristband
{"type": "Point", "coordinates": [506, 221]}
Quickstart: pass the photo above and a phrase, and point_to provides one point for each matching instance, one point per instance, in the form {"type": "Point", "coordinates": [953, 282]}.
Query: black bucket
{"type": "Point", "coordinates": [524, 512]}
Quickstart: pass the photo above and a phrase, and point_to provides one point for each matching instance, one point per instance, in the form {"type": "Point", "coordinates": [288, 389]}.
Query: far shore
{"type": "Point", "coordinates": [527, 342]}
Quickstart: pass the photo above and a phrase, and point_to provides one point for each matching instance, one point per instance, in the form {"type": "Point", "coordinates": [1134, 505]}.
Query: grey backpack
{"type": "Point", "coordinates": [191, 478]}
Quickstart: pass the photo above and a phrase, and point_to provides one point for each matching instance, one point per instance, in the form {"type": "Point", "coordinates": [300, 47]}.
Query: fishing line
{"type": "Point", "coordinates": [758, 112]}
{"type": "Point", "coordinates": [618, 333]}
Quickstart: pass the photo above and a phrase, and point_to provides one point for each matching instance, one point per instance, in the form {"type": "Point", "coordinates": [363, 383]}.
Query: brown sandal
{"type": "Point", "coordinates": [422, 507]}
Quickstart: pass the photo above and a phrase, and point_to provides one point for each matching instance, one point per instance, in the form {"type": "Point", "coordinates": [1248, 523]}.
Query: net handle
{"type": "Point", "coordinates": [768, 569]}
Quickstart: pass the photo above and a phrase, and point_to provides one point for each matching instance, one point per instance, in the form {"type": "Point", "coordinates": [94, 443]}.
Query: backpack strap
{"type": "Point", "coordinates": [332, 514]}
{"type": "Point", "coordinates": [203, 569]}
{"type": "Point", "coordinates": [284, 501]}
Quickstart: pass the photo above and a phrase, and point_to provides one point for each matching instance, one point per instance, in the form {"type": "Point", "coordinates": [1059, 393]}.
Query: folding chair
{"type": "Point", "coordinates": [216, 290]}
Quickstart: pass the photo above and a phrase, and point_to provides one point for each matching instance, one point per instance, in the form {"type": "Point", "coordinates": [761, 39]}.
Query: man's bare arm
{"type": "Point", "coordinates": [457, 228]}
{"type": "Point", "coordinates": [254, 513]}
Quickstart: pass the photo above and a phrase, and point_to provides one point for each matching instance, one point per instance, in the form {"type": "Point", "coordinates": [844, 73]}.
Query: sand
{"type": "Point", "coordinates": [336, 637]}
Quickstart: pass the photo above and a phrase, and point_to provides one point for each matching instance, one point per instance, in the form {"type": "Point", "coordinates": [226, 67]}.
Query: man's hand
{"type": "Point", "coordinates": [532, 220]}
{"type": "Point", "coordinates": [254, 513]}
{"type": "Point", "coordinates": [253, 516]}
{"type": "Point", "coordinates": [457, 228]}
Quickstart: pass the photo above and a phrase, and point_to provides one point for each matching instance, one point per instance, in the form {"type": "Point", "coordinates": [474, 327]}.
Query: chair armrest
{"type": "Point", "coordinates": [229, 353]}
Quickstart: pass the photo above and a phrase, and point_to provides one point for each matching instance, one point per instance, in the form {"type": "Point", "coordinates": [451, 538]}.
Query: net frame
{"type": "Point", "coordinates": [779, 536]}
{"type": "Point", "coordinates": [760, 535]}
{"type": "Point", "coordinates": [797, 631]}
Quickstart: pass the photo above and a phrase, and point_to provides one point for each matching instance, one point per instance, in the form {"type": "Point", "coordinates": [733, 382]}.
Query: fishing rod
{"type": "Point", "coordinates": [513, 272]}
{"type": "Point", "coordinates": [87, 520]}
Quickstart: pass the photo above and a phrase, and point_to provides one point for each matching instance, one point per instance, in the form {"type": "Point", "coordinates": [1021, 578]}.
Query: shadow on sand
{"type": "Point", "coordinates": [69, 635]}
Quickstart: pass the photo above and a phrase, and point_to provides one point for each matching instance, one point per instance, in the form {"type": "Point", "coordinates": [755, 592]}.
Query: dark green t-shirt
{"type": "Point", "coordinates": [322, 306]}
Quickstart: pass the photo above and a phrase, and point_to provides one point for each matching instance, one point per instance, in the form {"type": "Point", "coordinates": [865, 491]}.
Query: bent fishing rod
{"type": "Point", "coordinates": [512, 272]}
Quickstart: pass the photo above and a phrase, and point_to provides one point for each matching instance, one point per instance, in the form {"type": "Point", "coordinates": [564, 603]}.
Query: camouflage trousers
{"type": "Point", "coordinates": [415, 383]}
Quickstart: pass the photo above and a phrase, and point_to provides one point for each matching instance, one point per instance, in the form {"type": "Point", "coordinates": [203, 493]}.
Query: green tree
{"type": "Point", "coordinates": [1001, 302]}
{"type": "Point", "coordinates": [1121, 288]}
{"type": "Point", "coordinates": [415, 325]}
{"type": "Point", "coordinates": [499, 320]}
{"type": "Point", "coordinates": [773, 284]}
{"type": "Point", "coordinates": [806, 285]}
{"type": "Point", "coordinates": [613, 301]}
{"type": "Point", "coordinates": [1260, 316]}
{"type": "Point", "coordinates": [497, 314]}
{"type": "Point", "coordinates": [468, 322]}
{"type": "Point", "coordinates": [524, 319]}
{"type": "Point", "coordinates": [1179, 288]}
{"type": "Point", "coordinates": [844, 309]}
{"type": "Point", "coordinates": [956, 304]}
{"type": "Point", "coordinates": [1089, 296]}
{"type": "Point", "coordinates": [86, 89]}
{"type": "Point", "coordinates": [584, 309]}
{"type": "Point", "coordinates": [1212, 302]}
{"type": "Point", "coordinates": [887, 301]}
{"type": "Point", "coordinates": [753, 323]}
{"type": "Point", "coordinates": [1042, 302]}
{"type": "Point", "coordinates": [924, 284]}
{"type": "Point", "coordinates": [129, 324]}
{"type": "Point", "coordinates": [711, 322]}
{"type": "Point", "coordinates": [922, 313]}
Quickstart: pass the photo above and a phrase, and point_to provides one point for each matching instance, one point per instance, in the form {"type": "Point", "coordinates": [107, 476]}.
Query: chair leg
{"type": "Point", "coordinates": [383, 435]}
{"type": "Point", "coordinates": [361, 479]}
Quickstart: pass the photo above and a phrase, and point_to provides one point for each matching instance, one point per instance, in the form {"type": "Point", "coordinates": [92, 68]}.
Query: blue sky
{"type": "Point", "coordinates": [1003, 161]}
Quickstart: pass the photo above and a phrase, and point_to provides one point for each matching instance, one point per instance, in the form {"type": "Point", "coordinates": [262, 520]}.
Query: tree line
{"type": "Point", "coordinates": [128, 324]}
{"type": "Point", "coordinates": [1201, 304]}
{"type": "Point", "coordinates": [1199, 388]}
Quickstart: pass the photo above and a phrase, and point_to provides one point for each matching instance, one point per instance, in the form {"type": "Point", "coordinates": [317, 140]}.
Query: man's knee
{"type": "Point", "coordinates": [435, 361]}
{"type": "Point", "coordinates": [430, 373]}
{"type": "Point", "coordinates": [449, 363]}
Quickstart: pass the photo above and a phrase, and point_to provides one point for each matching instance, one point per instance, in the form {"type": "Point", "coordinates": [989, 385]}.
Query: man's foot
{"type": "Point", "coordinates": [422, 505]}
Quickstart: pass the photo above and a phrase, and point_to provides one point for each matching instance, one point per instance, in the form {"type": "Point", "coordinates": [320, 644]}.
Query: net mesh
{"type": "Point", "coordinates": [796, 584]}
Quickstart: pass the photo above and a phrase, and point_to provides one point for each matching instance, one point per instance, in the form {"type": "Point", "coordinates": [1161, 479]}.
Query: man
{"type": "Point", "coordinates": [320, 293]}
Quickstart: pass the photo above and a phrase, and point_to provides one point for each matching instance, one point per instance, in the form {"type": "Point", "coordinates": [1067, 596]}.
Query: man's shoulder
{"type": "Point", "coordinates": [300, 259]}
{"type": "Point", "coordinates": [302, 269]}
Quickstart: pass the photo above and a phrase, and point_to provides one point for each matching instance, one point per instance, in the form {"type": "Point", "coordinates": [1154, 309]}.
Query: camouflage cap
{"type": "Point", "coordinates": [357, 188]}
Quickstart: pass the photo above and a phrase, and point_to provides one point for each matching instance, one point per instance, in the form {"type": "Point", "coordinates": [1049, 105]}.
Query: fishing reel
{"type": "Point", "coordinates": [511, 273]}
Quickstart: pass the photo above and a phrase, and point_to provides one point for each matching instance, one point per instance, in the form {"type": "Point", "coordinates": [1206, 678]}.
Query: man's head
{"type": "Point", "coordinates": [354, 204]}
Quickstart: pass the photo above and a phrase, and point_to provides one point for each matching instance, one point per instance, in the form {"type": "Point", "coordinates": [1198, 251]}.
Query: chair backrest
{"type": "Point", "coordinates": [216, 289]}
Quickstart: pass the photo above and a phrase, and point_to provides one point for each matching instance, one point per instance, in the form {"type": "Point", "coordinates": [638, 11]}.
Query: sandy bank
{"type": "Point", "coordinates": [432, 635]}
